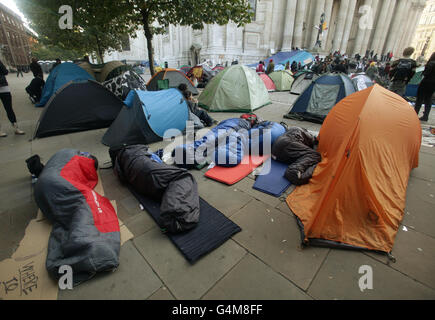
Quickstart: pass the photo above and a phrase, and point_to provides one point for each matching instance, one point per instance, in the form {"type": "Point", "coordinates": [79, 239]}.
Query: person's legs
{"type": "Point", "coordinates": [427, 104]}
{"type": "Point", "coordinates": [6, 99]}
{"type": "Point", "coordinates": [419, 102]}
{"type": "Point", "coordinates": [203, 116]}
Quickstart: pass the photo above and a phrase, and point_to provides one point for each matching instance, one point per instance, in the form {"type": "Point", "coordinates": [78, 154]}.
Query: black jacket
{"type": "Point", "coordinates": [3, 73]}
{"type": "Point", "coordinates": [296, 148]}
{"type": "Point", "coordinates": [36, 69]}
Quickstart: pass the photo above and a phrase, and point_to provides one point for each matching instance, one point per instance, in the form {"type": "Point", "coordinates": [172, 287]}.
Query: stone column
{"type": "Point", "coordinates": [318, 10]}
{"type": "Point", "coordinates": [299, 23]}
{"type": "Point", "coordinates": [290, 15]}
{"type": "Point", "coordinates": [411, 15]}
{"type": "Point", "coordinates": [368, 33]}
{"type": "Point", "coordinates": [419, 10]}
{"type": "Point", "coordinates": [348, 26]}
{"type": "Point", "coordinates": [401, 26]}
{"type": "Point", "coordinates": [380, 26]}
{"type": "Point", "coordinates": [361, 32]}
{"type": "Point", "coordinates": [394, 32]}
{"type": "Point", "coordinates": [328, 13]}
{"type": "Point", "coordinates": [341, 22]}
{"type": "Point", "coordinates": [391, 11]}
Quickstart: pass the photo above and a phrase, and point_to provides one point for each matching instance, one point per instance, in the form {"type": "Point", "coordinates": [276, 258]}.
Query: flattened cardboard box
{"type": "Point", "coordinates": [24, 276]}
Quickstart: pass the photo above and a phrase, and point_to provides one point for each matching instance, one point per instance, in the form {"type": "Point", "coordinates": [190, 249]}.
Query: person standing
{"type": "Point", "coordinates": [260, 67]}
{"type": "Point", "coordinates": [58, 62]}
{"type": "Point", "coordinates": [426, 89]}
{"type": "Point", "coordinates": [270, 67]}
{"type": "Point", "coordinates": [6, 98]}
{"type": "Point", "coordinates": [402, 71]}
{"type": "Point", "coordinates": [19, 71]}
{"type": "Point", "coordinates": [36, 69]}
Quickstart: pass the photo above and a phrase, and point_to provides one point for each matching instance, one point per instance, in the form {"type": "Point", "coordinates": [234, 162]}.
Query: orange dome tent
{"type": "Point", "coordinates": [369, 143]}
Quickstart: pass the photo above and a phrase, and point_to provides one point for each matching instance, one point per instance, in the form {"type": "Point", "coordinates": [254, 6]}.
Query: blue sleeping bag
{"type": "Point", "coordinates": [228, 143]}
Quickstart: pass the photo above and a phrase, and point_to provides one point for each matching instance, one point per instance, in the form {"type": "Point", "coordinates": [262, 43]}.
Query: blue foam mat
{"type": "Point", "coordinates": [273, 183]}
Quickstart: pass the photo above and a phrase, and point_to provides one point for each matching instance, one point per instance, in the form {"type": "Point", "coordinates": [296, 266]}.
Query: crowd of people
{"type": "Point", "coordinates": [392, 74]}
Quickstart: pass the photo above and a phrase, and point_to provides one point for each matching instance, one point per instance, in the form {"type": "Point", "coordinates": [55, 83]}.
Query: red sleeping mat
{"type": "Point", "coordinates": [233, 175]}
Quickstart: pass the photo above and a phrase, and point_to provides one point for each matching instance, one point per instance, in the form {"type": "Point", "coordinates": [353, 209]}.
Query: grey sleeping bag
{"type": "Point", "coordinates": [85, 234]}
{"type": "Point", "coordinates": [173, 187]}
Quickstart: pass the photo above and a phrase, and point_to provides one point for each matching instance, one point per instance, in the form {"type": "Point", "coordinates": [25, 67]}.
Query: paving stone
{"type": "Point", "coordinates": [419, 190]}
{"type": "Point", "coordinates": [274, 237]}
{"type": "Point", "coordinates": [162, 294]}
{"type": "Point", "coordinates": [185, 280]}
{"type": "Point", "coordinates": [13, 223]}
{"type": "Point", "coordinates": [419, 212]}
{"type": "Point", "coordinates": [414, 255]}
{"type": "Point", "coordinates": [224, 198]}
{"type": "Point", "coordinates": [134, 280]}
{"type": "Point", "coordinates": [426, 168]}
{"type": "Point", "coordinates": [251, 279]}
{"type": "Point", "coordinates": [338, 278]}
{"type": "Point", "coordinates": [140, 224]}
{"type": "Point", "coordinates": [15, 193]}
{"type": "Point", "coordinates": [246, 186]}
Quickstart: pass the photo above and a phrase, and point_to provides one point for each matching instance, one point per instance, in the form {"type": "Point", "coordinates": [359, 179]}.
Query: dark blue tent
{"type": "Point", "coordinates": [60, 76]}
{"type": "Point", "coordinates": [318, 99]}
{"type": "Point", "coordinates": [146, 116]}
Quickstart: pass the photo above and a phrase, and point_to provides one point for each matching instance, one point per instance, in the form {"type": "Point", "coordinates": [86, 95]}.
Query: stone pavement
{"type": "Point", "coordinates": [264, 261]}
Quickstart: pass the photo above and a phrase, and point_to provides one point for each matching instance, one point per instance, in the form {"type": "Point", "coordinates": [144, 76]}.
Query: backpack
{"type": "Point", "coordinates": [251, 117]}
{"type": "Point", "coordinates": [403, 70]}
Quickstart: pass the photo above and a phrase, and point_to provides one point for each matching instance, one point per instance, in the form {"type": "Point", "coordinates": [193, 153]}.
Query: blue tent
{"type": "Point", "coordinates": [61, 75]}
{"type": "Point", "coordinates": [146, 117]}
{"type": "Point", "coordinates": [281, 58]}
{"type": "Point", "coordinates": [318, 99]}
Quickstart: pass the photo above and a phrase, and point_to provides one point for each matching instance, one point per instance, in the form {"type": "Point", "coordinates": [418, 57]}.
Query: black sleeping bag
{"type": "Point", "coordinates": [85, 234]}
{"type": "Point", "coordinates": [295, 147]}
{"type": "Point", "coordinates": [175, 188]}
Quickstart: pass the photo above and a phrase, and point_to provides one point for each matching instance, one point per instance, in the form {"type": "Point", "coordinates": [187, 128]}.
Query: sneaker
{"type": "Point", "coordinates": [3, 135]}
{"type": "Point", "coordinates": [17, 130]}
{"type": "Point", "coordinates": [424, 119]}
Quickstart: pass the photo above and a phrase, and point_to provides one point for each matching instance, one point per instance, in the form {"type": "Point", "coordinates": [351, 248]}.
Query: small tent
{"type": "Point", "coordinates": [361, 81]}
{"type": "Point", "coordinates": [235, 89]}
{"type": "Point", "coordinates": [283, 80]}
{"type": "Point", "coordinates": [147, 116]}
{"type": "Point", "coordinates": [63, 74]}
{"type": "Point", "coordinates": [122, 84]}
{"type": "Point", "coordinates": [302, 81]}
{"type": "Point", "coordinates": [318, 99]}
{"type": "Point", "coordinates": [369, 142]}
{"type": "Point", "coordinates": [78, 106]}
{"type": "Point", "coordinates": [270, 86]}
{"type": "Point", "coordinates": [185, 68]}
{"type": "Point", "coordinates": [175, 78]}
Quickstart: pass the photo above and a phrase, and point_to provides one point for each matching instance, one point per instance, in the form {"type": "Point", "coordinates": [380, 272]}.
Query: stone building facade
{"type": "Point", "coordinates": [14, 39]}
{"type": "Point", "coordinates": [352, 26]}
{"type": "Point", "coordinates": [424, 40]}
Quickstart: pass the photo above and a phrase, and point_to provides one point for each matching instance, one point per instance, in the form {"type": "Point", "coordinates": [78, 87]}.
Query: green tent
{"type": "Point", "coordinates": [235, 89]}
{"type": "Point", "coordinates": [418, 76]}
{"type": "Point", "coordinates": [283, 80]}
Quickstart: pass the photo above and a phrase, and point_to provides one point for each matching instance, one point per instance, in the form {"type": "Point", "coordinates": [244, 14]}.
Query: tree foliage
{"type": "Point", "coordinates": [43, 52]}
{"type": "Point", "coordinates": [155, 15]}
{"type": "Point", "coordinates": [98, 25]}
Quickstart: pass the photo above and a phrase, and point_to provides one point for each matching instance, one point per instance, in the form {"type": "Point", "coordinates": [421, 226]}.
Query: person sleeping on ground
{"type": "Point", "coordinates": [174, 188]}
{"type": "Point", "coordinates": [193, 106]}
{"type": "Point", "coordinates": [296, 148]}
